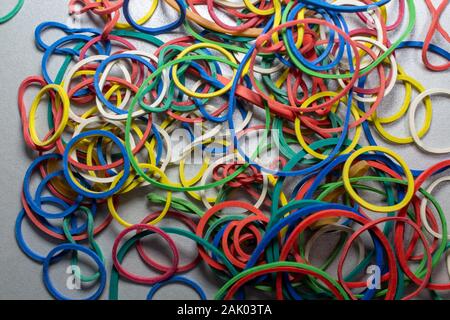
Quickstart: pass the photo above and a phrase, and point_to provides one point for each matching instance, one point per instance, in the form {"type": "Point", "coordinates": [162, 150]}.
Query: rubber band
{"type": "Point", "coordinates": [70, 246]}
{"type": "Point", "coordinates": [201, 95]}
{"type": "Point", "coordinates": [169, 27]}
{"type": "Point", "coordinates": [59, 235]}
{"type": "Point", "coordinates": [423, 206]}
{"type": "Point", "coordinates": [435, 25]}
{"type": "Point", "coordinates": [144, 19]}
{"type": "Point", "coordinates": [177, 279]}
{"type": "Point", "coordinates": [12, 13]}
{"type": "Point", "coordinates": [114, 213]}
{"type": "Point", "coordinates": [406, 106]}
{"type": "Point", "coordinates": [182, 268]}
{"type": "Point", "coordinates": [36, 206]}
{"type": "Point", "coordinates": [412, 125]}
{"type": "Point", "coordinates": [345, 177]}
{"type": "Point", "coordinates": [21, 241]}
{"type": "Point", "coordinates": [62, 122]}
{"type": "Point", "coordinates": [73, 182]}
{"type": "Point", "coordinates": [92, 243]}
{"type": "Point", "coordinates": [137, 278]}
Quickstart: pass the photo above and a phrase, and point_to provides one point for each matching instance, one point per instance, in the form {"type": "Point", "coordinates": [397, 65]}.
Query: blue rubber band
{"type": "Point", "coordinates": [51, 49]}
{"type": "Point", "coordinates": [21, 241]}
{"type": "Point", "coordinates": [35, 204]}
{"type": "Point", "coordinates": [72, 246]}
{"type": "Point", "coordinates": [177, 279]}
{"type": "Point", "coordinates": [66, 29]}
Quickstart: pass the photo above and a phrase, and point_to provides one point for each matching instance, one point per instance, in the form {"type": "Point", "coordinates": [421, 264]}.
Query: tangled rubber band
{"type": "Point", "coordinates": [250, 126]}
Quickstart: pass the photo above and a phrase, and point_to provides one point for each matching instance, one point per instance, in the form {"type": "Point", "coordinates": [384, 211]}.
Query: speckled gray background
{"type": "Point", "coordinates": [20, 277]}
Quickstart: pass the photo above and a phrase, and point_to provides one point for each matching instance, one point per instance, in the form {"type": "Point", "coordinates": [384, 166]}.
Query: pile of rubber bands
{"type": "Point", "coordinates": [305, 77]}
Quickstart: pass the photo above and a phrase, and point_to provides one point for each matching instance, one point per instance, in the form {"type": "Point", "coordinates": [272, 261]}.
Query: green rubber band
{"type": "Point", "coordinates": [12, 13]}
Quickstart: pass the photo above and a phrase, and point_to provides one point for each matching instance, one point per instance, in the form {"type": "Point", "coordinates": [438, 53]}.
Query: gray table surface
{"type": "Point", "coordinates": [20, 277]}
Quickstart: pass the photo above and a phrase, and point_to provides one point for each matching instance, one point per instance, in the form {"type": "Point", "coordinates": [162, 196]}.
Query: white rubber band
{"type": "Point", "coordinates": [412, 124]}
{"type": "Point", "coordinates": [423, 206]}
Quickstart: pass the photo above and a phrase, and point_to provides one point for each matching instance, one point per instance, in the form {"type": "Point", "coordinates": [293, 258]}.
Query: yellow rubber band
{"type": "Point", "coordinates": [427, 121]}
{"type": "Point", "coordinates": [197, 94]}
{"type": "Point", "coordinates": [250, 6]}
{"type": "Point", "coordinates": [164, 179]}
{"type": "Point", "coordinates": [298, 130]}
{"type": "Point", "coordinates": [64, 117]}
{"type": "Point", "coordinates": [348, 186]}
